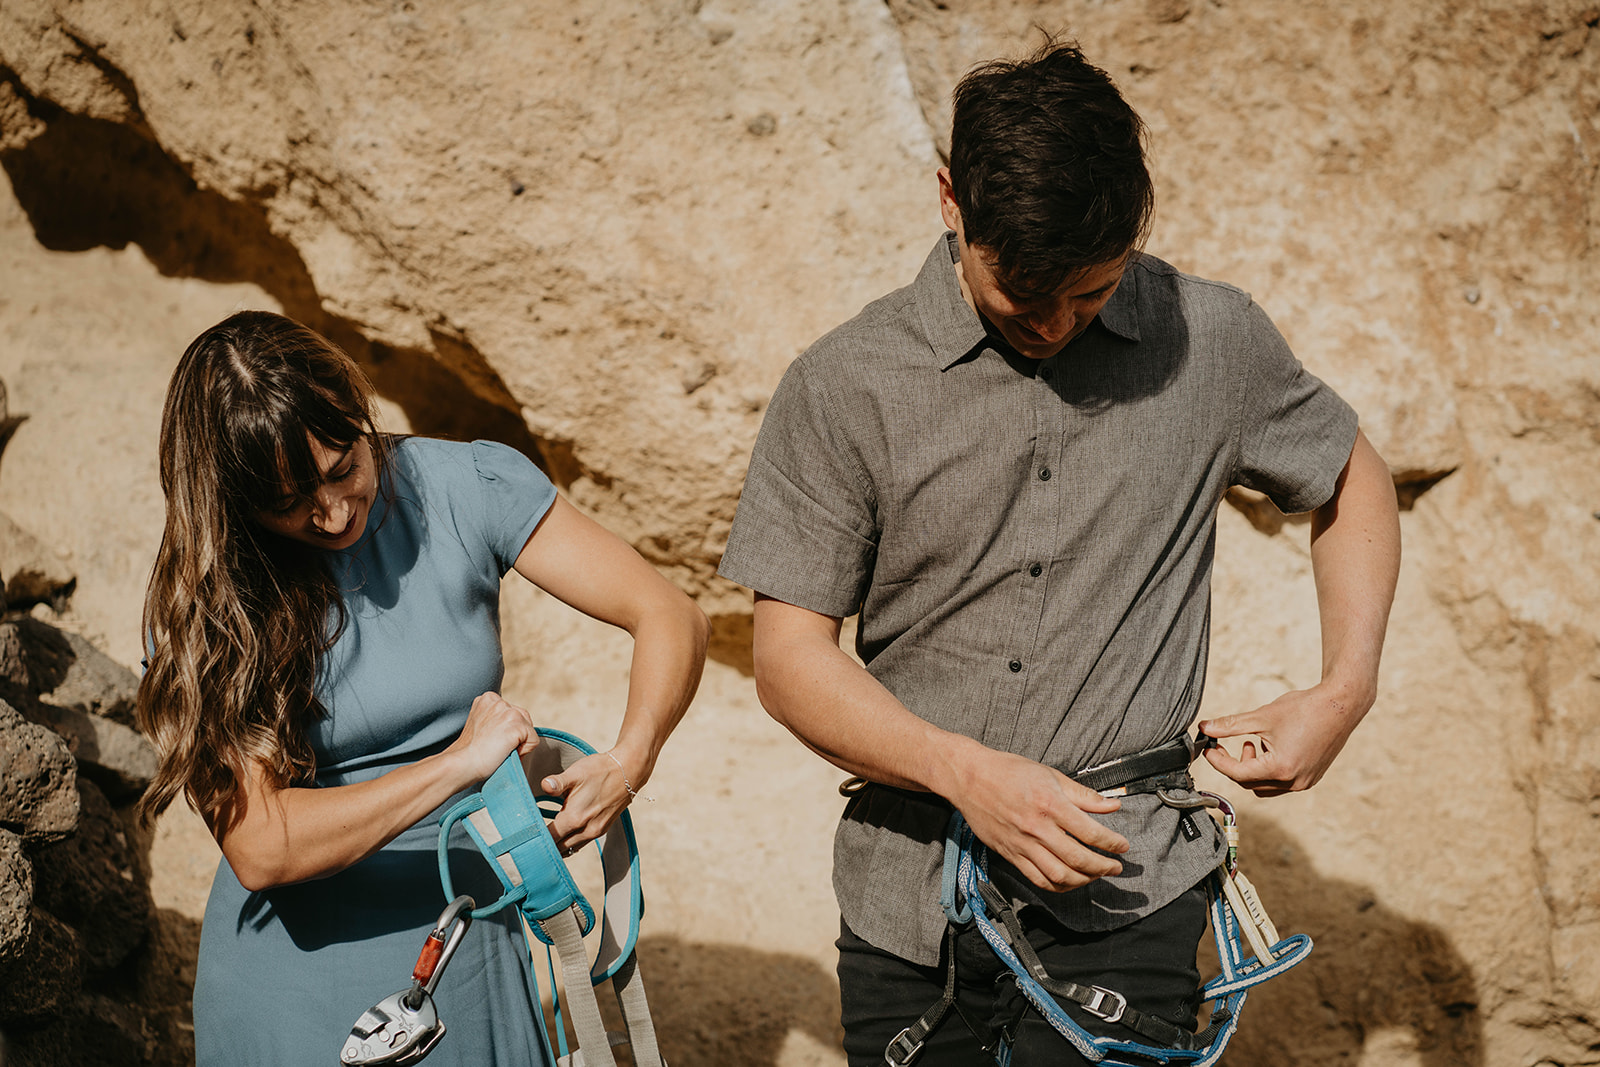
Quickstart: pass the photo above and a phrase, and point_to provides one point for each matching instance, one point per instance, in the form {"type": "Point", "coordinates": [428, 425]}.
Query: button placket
{"type": "Point", "coordinates": [1038, 507]}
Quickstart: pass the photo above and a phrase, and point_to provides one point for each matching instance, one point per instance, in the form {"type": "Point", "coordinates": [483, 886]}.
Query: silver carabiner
{"type": "Point", "coordinates": [402, 1028]}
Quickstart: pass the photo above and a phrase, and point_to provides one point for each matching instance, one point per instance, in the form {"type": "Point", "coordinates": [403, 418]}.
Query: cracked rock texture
{"type": "Point", "coordinates": [600, 233]}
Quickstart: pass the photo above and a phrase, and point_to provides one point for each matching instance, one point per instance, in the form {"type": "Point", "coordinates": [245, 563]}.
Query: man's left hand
{"type": "Point", "coordinates": [1296, 736]}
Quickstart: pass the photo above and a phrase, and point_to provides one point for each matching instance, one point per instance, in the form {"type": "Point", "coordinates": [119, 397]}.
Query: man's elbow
{"type": "Point", "coordinates": [768, 686]}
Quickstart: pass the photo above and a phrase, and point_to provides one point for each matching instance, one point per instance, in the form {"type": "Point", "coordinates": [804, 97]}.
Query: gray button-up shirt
{"type": "Point", "coordinates": [1029, 544]}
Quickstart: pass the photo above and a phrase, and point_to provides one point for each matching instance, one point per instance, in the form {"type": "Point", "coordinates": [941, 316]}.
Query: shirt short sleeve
{"type": "Point", "coordinates": [1296, 433]}
{"type": "Point", "coordinates": [514, 495]}
{"type": "Point", "coordinates": [805, 529]}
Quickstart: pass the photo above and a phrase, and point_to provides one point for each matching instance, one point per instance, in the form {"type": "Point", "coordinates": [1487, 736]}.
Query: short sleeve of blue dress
{"type": "Point", "coordinates": [284, 973]}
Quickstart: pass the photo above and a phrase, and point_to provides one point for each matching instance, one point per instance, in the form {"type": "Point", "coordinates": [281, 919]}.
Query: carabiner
{"type": "Point", "coordinates": [441, 944]}
{"type": "Point", "coordinates": [402, 1028]}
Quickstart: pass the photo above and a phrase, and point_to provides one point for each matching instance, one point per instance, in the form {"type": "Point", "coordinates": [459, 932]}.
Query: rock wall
{"type": "Point", "coordinates": [601, 233]}
{"type": "Point", "coordinates": [77, 983]}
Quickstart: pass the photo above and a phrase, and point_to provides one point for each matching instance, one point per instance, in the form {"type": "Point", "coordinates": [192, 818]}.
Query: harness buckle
{"type": "Point", "coordinates": [902, 1050]}
{"type": "Point", "coordinates": [1096, 1006]}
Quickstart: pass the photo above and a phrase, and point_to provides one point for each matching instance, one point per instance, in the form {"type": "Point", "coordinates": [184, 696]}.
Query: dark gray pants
{"type": "Point", "coordinates": [1150, 961]}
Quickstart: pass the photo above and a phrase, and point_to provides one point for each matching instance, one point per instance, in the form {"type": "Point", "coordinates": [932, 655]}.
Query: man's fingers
{"type": "Point", "coordinates": [1079, 827]}
{"type": "Point", "coordinates": [1253, 772]}
{"type": "Point", "coordinates": [1086, 799]}
{"type": "Point", "coordinates": [1246, 722]}
{"type": "Point", "coordinates": [1073, 865]}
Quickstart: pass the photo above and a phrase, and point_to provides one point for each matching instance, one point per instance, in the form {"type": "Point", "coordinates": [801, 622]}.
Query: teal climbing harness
{"type": "Point", "coordinates": [506, 819]}
{"type": "Point", "coordinates": [1237, 917]}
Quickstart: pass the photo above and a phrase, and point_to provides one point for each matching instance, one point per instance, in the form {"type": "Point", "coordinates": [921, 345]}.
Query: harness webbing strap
{"type": "Point", "coordinates": [1236, 914]}
{"type": "Point", "coordinates": [506, 823]}
{"type": "Point", "coordinates": [1175, 755]}
{"type": "Point", "coordinates": [907, 1044]}
{"type": "Point", "coordinates": [636, 1014]}
{"type": "Point", "coordinates": [593, 1043]}
{"type": "Point", "coordinates": [1099, 1001]}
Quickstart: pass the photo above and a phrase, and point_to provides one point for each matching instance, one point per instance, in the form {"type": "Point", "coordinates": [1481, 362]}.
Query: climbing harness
{"type": "Point", "coordinates": [506, 822]}
{"type": "Point", "coordinates": [969, 897]}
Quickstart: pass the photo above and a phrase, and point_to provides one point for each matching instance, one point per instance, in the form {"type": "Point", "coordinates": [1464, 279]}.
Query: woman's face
{"type": "Point", "coordinates": [335, 516]}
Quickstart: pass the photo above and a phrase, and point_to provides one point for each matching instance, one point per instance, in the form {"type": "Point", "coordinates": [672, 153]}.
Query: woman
{"type": "Point", "coordinates": [323, 675]}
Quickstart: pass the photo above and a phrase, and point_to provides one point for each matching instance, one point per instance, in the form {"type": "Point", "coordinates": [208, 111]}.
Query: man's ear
{"type": "Point", "coordinates": [947, 201]}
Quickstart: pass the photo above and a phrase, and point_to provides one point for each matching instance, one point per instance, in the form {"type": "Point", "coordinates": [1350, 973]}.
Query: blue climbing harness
{"type": "Point", "coordinates": [506, 821]}
{"type": "Point", "coordinates": [1237, 917]}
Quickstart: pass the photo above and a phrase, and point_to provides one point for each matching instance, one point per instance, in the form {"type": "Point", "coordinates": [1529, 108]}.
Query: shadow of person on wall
{"type": "Point", "coordinates": [1372, 970]}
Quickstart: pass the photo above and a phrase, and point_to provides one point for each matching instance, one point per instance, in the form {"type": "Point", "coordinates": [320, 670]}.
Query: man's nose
{"type": "Point", "coordinates": [1051, 323]}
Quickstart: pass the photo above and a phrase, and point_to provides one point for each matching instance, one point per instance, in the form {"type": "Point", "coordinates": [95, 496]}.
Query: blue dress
{"type": "Point", "coordinates": [284, 973]}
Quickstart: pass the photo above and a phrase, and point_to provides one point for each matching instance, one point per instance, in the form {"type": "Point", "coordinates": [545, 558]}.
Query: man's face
{"type": "Point", "coordinates": [1036, 326]}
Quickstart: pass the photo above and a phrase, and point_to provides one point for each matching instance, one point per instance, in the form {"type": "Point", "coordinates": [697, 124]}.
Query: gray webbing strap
{"type": "Point", "coordinates": [636, 1014]}
{"type": "Point", "coordinates": [582, 1007]}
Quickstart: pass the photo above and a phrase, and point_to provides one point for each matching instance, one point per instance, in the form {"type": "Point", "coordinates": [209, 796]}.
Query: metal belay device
{"type": "Point", "coordinates": [505, 820]}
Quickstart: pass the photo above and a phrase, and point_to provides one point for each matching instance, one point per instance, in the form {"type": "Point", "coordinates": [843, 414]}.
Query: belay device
{"type": "Point", "coordinates": [506, 823]}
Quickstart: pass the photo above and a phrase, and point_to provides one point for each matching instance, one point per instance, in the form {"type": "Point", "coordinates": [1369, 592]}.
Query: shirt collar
{"type": "Point", "coordinates": [954, 329]}
{"type": "Point", "coordinates": [1121, 313]}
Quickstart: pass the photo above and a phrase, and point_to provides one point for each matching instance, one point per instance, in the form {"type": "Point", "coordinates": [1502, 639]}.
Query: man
{"type": "Point", "coordinates": [1011, 469]}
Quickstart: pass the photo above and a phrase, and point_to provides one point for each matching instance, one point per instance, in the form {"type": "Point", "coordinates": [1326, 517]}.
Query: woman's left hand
{"type": "Point", "coordinates": [594, 792]}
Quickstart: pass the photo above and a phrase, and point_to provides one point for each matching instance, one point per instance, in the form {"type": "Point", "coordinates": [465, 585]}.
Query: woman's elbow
{"type": "Point", "coordinates": [255, 876]}
{"type": "Point", "coordinates": [259, 869]}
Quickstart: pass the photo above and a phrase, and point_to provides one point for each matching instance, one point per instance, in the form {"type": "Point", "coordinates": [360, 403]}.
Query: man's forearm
{"type": "Point", "coordinates": [839, 710]}
{"type": "Point", "coordinates": [1034, 816]}
{"type": "Point", "coordinates": [1355, 556]}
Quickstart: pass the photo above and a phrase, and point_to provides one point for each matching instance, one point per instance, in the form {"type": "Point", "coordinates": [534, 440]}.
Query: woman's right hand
{"type": "Point", "coordinates": [495, 728]}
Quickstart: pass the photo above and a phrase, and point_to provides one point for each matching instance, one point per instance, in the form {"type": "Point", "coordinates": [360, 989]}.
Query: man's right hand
{"type": "Point", "coordinates": [1036, 817]}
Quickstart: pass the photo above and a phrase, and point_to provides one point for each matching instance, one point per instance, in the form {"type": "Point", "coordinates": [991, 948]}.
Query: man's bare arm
{"type": "Point", "coordinates": [1355, 556]}
{"type": "Point", "coordinates": [1032, 815]}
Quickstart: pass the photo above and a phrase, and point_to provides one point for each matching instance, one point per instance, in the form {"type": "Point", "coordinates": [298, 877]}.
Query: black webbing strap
{"type": "Point", "coordinates": [1152, 763]}
{"type": "Point", "coordinates": [1098, 1001]}
{"type": "Point", "coordinates": [907, 1044]}
{"type": "Point", "coordinates": [1165, 767]}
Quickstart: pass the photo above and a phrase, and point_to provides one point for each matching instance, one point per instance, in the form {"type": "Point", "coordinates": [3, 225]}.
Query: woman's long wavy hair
{"type": "Point", "coordinates": [236, 617]}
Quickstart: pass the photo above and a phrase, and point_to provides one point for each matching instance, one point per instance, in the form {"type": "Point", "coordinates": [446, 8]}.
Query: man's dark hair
{"type": "Point", "coordinates": [1047, 166]}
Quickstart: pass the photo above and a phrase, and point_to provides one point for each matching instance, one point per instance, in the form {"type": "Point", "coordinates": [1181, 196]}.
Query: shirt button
{"type": "Point", "coordinates": [1036, 570]}
{"type": "Point", "coordinates": [1015, 665]}
{"type": "Point", "coordinates": [1044, 474]}
{"type": "Point", "coordinates": [1046, 373]}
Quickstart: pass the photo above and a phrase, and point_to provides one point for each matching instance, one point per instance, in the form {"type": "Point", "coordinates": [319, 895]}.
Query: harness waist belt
{"type": "Point", "coordinates": [1175, 755]}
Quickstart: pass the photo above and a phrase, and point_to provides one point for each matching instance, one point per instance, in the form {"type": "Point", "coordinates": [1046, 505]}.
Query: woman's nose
{"type": "Point", "coordinates": [330, 513]}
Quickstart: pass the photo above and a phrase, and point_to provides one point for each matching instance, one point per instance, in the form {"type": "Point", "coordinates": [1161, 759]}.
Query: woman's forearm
{"type": "Point", "coordinates": [276, 836]}
{"type": "Point", "coordinates": [669, 649]}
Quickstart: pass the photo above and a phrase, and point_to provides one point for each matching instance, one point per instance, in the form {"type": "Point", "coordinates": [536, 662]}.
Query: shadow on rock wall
{"type": "Point", "coordinates": [1372, 971]}
{"type": "Point", "coordinates": [86, 183]}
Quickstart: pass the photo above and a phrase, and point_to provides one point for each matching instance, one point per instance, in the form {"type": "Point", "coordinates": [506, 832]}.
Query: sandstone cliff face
{"type": "Point", "coordinates": [601, 234]}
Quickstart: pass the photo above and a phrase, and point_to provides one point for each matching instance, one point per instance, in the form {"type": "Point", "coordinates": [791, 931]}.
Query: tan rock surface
{"type": "Point", "coordinates": [704, 187]}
